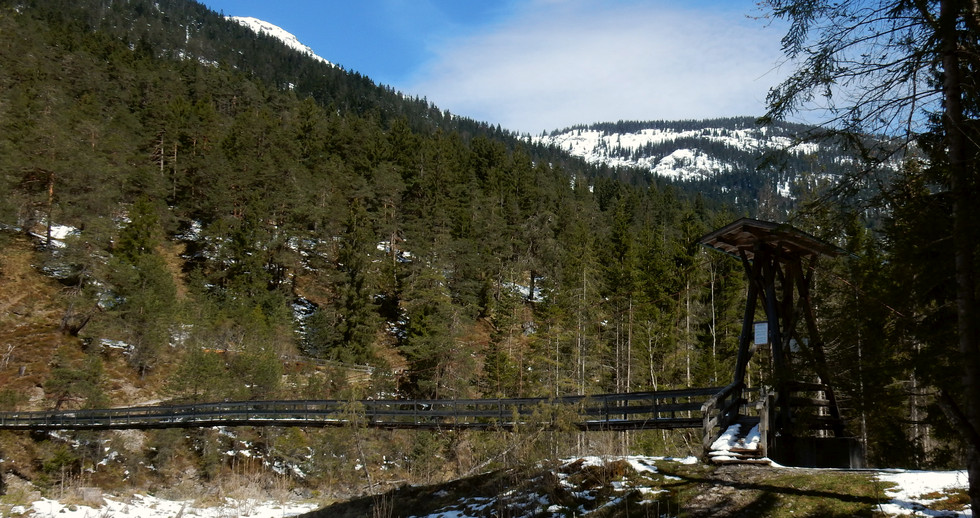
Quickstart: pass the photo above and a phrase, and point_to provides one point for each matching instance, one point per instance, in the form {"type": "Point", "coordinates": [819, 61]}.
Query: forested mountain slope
{"type": "Point", "coordinates": [207, 225]}
{"type": "Point", "coordinates": [185, 30]}
{"type": "Point", "coordinates": [215, 205]}
{"type": "Point", "coordinates": [387, 238]}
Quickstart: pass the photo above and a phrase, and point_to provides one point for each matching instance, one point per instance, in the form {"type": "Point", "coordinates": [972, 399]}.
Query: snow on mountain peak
{"type": "Point", "coordinates": [263, 27]}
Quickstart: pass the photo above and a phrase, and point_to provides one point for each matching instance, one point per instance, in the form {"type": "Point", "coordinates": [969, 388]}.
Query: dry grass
{"type": "Point", "coordinates": [171, 252]}
{"type": "Point", "coordinates": [29, 321]}
{"type": "Point", "coordinates": [31, 308]}
{"type": "Point", "coordinates": [240, 488]}
{"type": "Point", "coordinates": [947, 500]}
{"type": "Point", "coordinates": [777, 492]}
{"type": "Point", "coordinates": [18, 491]}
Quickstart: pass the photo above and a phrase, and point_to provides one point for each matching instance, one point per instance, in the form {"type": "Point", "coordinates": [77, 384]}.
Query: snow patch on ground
{"type": "Point", "coordinates": [726, 441]}
{"type": "Point", "coordinates": [58, 235]}
{"type": "Point", "coordinates": [144, 506]}
{"type": "Point", "coordinates": [908, 496]}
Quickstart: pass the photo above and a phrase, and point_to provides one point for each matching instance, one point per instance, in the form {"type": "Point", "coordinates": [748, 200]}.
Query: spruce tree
{"type": "Point", "coordinates": [145, 287]}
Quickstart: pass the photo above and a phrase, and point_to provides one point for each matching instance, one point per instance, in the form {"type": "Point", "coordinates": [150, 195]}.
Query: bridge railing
{"type": "Point", "coordinates": [724, 408]}
{"type": "Point", "coordinates": [635, 410]}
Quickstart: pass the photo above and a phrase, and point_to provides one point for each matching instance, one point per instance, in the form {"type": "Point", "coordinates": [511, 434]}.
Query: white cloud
{"type": "Point", "coordinates": [558, 63]}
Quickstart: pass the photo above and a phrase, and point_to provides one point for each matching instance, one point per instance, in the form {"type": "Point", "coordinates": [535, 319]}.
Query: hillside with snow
{"type": "Point", "coordinates": [263, 27]}
{"type": "Point", "coordinates": [733, 159]}
{"type": "Point", "coordinates": [694, 150]}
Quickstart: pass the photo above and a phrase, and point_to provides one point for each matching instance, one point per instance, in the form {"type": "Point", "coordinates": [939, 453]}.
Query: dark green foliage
{"type": "Point", "coordinates": [76, 379]}
{"type": "Point", "coordinates": [145, 288]}
{"type": "Point", "coordinates": [217, 177]}
{"type": "Point", "coordinates": [257, 371]}
{"type": "Point", "coordinates": [199, 375]}
{"type": "Point", "coordinates": [439, 366]}
{"type": "Point", "coordinates": [357, 316]}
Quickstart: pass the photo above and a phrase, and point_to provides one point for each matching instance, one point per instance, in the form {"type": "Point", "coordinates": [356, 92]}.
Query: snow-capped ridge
{"type": "Point", "coordinates": [263, 27]}
{"type": "Point", "coordinates": [681, 150]}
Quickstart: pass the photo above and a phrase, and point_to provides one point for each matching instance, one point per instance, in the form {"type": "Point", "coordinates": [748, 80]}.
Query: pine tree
{"type": "Point", "coordinates": [145, 287]}
{"type": "Point", "coordinates": [440, 367]}
{"type": "Point", "coordinates": [357, 311]}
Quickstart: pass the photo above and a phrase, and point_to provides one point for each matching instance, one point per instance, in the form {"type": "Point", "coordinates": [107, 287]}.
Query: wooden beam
{"type": "Point", "coordinates": [748, 319]}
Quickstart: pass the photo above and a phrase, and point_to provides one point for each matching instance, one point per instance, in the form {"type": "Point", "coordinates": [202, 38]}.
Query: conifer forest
{"type": "Point", "coordinates": [192, 212]}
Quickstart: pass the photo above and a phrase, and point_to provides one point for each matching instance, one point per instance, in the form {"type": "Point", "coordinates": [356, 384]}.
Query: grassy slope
{"type": "Point", "coordinates": [29, 320]}
{"type": "Point", "coordinates": [31, 309]}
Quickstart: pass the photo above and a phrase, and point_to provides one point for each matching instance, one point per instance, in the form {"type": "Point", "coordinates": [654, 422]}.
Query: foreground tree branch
{"type": "Point", "coordinates": [907, 69]}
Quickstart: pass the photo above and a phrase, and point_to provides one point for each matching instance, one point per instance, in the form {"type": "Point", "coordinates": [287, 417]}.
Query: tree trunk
{"type": "Point", "coordinates": [714, 328]}
{"type": "Point", "coordinates": [687, 330]}
{"type": "Point", "coordinates": [47, 235]}
{"type": "Point", "coordinates": [629, 347]}
{"type": "Point", "coordinates": [961, 184]}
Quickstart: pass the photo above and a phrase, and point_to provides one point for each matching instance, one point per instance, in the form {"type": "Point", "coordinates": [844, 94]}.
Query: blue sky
{"type": "Point", "coordinates": [536, 65]}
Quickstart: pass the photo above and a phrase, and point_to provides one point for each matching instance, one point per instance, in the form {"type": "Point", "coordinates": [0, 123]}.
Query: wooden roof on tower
{"type": "Point", "coordinates": [745, 234]}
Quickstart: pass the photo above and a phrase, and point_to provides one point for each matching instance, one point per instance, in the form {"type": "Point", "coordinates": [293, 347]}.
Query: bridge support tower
{"type": "Point", "coordinates": [796, 407]}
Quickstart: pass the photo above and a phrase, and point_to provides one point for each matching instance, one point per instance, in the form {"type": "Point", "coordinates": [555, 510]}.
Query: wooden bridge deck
{"type": "Point", "coordinates": [671, 409]}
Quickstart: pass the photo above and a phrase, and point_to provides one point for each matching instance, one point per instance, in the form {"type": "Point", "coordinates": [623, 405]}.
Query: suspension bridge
{"type": "Point", "coordinates": [796, 414]}
{"type": "Point", "coordinates": [630, 411]}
